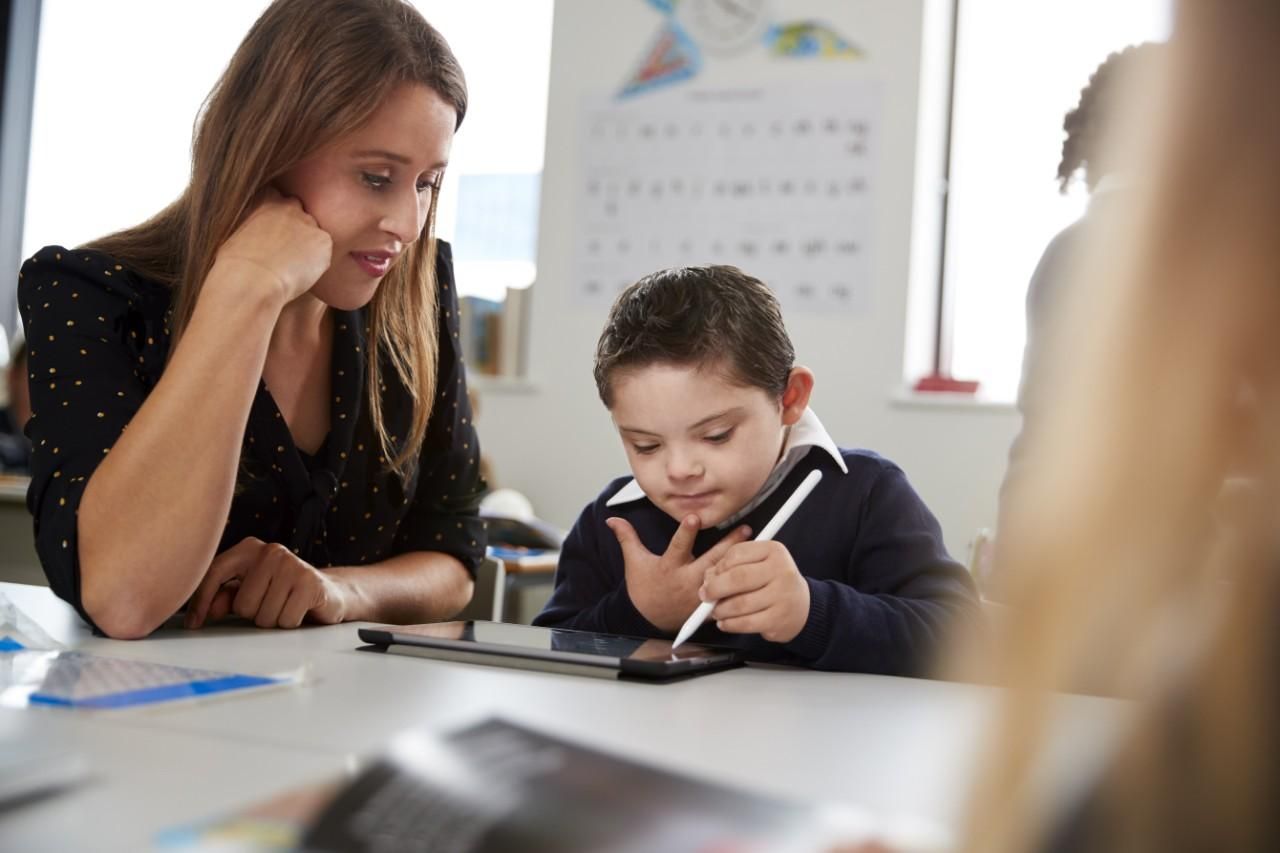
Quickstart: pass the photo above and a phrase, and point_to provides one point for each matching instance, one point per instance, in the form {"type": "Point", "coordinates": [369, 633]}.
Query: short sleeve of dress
{"type": "Point", "coordinates": [96, 343]}
{"type": "Point", "coordinates": [444, 514]}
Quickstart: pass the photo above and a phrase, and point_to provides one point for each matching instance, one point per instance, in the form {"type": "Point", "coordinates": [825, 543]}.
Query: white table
{"type": "Point", "coordinates": [893, 746]}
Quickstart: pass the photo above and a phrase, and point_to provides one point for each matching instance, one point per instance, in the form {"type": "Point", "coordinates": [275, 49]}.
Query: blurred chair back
{"type": "Point", "coordinates": [490, 591]}
{"type": "Point", "coordinates": [981, 550]}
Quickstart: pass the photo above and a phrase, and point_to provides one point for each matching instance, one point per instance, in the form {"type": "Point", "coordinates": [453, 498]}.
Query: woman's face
{"type": "Point", "coordinates": [372, 190]}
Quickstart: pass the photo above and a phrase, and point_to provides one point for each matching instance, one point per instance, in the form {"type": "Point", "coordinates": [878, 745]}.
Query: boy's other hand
{"type": "Point", "coordinates": [759, 590]}
{"type": "Point", "coordinates": [664, 588]}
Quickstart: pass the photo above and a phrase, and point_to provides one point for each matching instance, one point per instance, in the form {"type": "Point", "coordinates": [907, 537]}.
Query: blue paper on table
{"type": "Point", "coordinates": [74, 679]}
{"type": "Point", "coordinates": [506, 552]}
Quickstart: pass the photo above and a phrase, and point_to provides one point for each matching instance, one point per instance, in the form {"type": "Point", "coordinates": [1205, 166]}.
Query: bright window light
{"type": "Point", "coordinates": [118, 86]}
{"type": "Point", "coordinates": [1019, 69]}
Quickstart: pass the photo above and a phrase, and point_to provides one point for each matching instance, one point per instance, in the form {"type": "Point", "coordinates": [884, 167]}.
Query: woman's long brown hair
{"type": "Point", "coordinates": [1167, 364]}
{"type": "Point", "coordinates": [308, 73]}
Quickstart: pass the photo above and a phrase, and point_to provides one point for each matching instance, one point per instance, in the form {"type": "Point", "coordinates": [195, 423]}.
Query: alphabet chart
{"type": "Point", "coordinates": [777, 180]}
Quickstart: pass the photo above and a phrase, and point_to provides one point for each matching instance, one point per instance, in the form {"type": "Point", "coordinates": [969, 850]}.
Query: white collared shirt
{"type": "Point", "coordinates": [802, 436]}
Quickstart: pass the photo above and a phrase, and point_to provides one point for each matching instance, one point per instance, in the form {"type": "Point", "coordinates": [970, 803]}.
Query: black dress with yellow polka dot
{"type": "Point", "coordinates": [98, 339]}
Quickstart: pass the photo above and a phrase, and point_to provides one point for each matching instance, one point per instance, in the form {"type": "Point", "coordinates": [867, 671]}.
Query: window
{"type": "Point", "coordinates": [19, 23]}
{"type": "Point", "coordinates": [118, 86]}
{"type": "Point", "coordinates": [1019, 68]}
{"type": "Point", "coordinates": [117, 89]}
{"type": "Point", "coordinates": [497, 157]}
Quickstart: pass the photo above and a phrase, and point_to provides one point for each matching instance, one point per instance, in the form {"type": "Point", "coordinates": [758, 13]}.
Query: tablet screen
{"type": "Point", "coordinates": [560, 640]}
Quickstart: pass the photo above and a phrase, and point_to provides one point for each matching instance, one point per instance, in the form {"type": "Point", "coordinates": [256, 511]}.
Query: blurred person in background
{"type": "Point", "coordinates": [1108, 176]}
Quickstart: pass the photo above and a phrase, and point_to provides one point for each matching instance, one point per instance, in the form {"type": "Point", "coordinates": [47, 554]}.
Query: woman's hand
{"type": "Point", "coordinates": [282, 240]}
{"type": "Point", "coordinates": [268, 584]}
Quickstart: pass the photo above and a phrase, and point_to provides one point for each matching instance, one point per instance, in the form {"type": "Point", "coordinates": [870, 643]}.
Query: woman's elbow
{"type": "Point", "coordinates": [463, 590]}
{"type": "Point", "coordinates": [114, 610]}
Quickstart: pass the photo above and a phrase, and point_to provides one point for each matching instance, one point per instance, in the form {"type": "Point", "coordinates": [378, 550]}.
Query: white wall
{"type": "Point", "coordinates": [554, 441]}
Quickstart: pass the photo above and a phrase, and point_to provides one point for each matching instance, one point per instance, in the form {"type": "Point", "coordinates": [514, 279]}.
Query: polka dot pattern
{"type": "Point", "coordinates": [103, 340]}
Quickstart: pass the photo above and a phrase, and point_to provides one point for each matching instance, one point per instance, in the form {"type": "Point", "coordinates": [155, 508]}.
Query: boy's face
{"type": "Point", "coordinates": [698, 444]}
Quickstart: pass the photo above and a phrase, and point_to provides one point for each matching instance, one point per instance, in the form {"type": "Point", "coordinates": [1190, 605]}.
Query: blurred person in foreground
{"type": "Point", "coordinates": [1122, 580]}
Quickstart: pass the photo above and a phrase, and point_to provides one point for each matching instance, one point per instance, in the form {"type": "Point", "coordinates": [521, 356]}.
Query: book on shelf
{"type": "Point", "coordinates": [494, 332]}
{"type": "Point", "coordinates": [519, 559]}
{"type": "Point", "coordinates": [514, 336]}
{"type": "Point", "coordinates": [481, 327]}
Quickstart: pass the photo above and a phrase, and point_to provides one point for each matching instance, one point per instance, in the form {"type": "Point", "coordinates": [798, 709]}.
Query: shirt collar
{"type": "Point", "coordinates": [804, 434]}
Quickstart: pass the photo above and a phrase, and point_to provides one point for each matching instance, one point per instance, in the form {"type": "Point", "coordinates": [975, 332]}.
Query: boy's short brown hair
{"type": "Point", "coordinates": [713, 316]}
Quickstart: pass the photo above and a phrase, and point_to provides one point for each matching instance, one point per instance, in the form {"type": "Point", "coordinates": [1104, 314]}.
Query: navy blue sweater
{"type": "Point", "coordinates": [883, 592]}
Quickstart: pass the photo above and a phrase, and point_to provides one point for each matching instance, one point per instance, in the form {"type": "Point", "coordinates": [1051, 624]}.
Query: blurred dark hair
{"type": "Point", "coordinates": [1085, 125]}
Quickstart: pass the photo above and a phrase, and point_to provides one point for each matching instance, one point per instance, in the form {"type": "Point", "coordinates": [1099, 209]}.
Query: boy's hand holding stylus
{"type": "Point", "coordinates": [758, 590]}
{"type": "Point", "coordinates": [772, 597]}
{"type": "Point", "coordinates": [664, 588]}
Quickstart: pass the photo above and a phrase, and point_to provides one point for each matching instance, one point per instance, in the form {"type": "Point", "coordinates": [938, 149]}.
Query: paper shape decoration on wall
{"type": "Point", "coordinates": [810, 39]}
{"type": "Point", "coordinates": [671, 58]}
{"type": "Point", "coordinates": [694, 28]}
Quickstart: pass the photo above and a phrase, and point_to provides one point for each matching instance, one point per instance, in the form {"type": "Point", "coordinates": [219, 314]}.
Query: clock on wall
{"type": "Point", "coordinates": [724, 26]}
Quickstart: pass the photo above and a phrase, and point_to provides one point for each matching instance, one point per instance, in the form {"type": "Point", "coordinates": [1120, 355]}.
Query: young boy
{"type": "Point", "coordinates": [698, 372]}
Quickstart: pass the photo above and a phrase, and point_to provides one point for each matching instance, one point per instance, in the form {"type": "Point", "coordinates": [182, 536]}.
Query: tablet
{"type": "Point", "coordinates": [551, 649]}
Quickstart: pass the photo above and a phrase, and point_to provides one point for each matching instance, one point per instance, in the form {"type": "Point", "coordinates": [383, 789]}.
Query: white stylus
{"type": "Point", "coordinates": [694, 622]}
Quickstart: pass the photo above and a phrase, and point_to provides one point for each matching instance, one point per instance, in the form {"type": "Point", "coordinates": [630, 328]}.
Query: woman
{"type": "Point", "coordinates": [281, 344]}
{"type": "Point", "coordinates": [1122, 581]}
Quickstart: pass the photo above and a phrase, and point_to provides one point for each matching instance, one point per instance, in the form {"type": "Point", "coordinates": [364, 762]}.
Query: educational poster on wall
{"type": "Point", "coordinates": [777, 179]}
